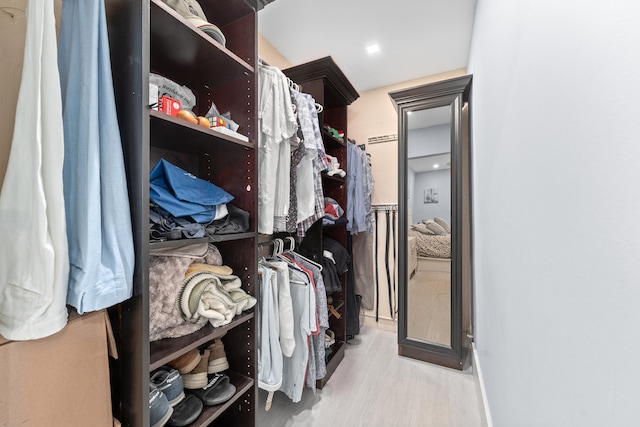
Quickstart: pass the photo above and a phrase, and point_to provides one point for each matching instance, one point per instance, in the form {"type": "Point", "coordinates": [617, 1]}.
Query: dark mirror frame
{"type": "Point", "coordinates": [455, 93]}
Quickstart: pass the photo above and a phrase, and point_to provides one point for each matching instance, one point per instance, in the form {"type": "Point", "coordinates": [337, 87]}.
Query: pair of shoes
{"type": "Point", "coordinates": [217, 357]}
{"type": "Point", "coordinates": [197, 377]}
{"type": "Point", "coordinates": [187, 411]}
{"type": "Point", "coordinates": [159, 409]}
{"type": "Point", "coordinates": [167, 401]}
{"type": "Point", "coordinates": [329, 338]}
{"type": "Point", "coordinates": [212, 360]}
{"type": "Point", "coordinates": [170, 383]}
{"type": "Point", "coordinates": [187, 362]}
{"type": "Point", "coordinates": [217, 391]}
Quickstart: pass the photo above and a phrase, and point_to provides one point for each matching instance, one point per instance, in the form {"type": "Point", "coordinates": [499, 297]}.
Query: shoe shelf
{"type": "Point", "coordinates": [168, 349]}
{"type": "Point", "coordinates": [210, 239]}
{"type": "Point", "coordinates": [175, 134]}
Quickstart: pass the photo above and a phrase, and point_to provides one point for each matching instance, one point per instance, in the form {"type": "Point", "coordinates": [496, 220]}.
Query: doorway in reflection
{"type": "Point", "coordinates": [429, 230]}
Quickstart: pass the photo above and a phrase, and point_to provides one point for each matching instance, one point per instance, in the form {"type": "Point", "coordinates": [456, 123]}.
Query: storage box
{"type": "Point", "coordinates": [168, 105]}
{"type": "Point", "coordinates": [60, 380]}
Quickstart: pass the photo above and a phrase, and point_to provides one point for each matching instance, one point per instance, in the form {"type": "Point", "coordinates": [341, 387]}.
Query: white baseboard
{"type": "Point", "coordinates": [483, 391]}
{"type": "Point", "coordinates": [386, 324]}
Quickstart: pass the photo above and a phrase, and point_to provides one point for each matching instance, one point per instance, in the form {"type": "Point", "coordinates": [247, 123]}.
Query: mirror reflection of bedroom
{"type": "Point", "coordinates": [429, 219]}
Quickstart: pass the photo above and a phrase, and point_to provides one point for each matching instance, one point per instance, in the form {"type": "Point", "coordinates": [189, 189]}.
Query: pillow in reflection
{"type": "Point", "coordinates": [435, 227]}
{"type": "Point", "coordinates": [442, 223]}
{"type": "Point", "coordinates": [422, 228]}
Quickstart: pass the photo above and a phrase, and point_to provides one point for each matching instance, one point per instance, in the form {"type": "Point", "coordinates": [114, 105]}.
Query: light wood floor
{"type": "Point", "coordinates": [429, 307]}
{"type": "Point", "coordinates": [374, 387]}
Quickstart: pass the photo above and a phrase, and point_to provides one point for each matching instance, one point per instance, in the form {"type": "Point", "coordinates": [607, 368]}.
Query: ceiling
{"type": "Point", "coordinates": [428, 117]}
{"type": "Point", "coordinates": [417, 38]}
{"type": "Point", "coordinates": [430, 163]}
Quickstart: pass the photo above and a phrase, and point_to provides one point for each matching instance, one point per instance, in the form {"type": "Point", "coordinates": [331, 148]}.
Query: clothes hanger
{"type": "Point", "coordinates": [319, 266]}
{"type": "Point", "coordinates": [292, 243]}
{"type": "Point", "coordinates": [319, 108]}
{"type": "Point", "coordinates": [278, 247]}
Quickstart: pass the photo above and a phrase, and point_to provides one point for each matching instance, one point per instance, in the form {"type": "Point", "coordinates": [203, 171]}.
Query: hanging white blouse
{"type": "Point", "coordinates": [277, 123]}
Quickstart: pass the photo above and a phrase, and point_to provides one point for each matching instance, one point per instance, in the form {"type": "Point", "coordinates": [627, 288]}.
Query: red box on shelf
{"type": "Point", "coordinates": [168, 105]}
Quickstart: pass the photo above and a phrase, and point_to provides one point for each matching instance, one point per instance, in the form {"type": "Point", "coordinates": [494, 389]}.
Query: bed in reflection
{"type": "Point", "coordinates": [429, 246]}
{"type": "Point", "coordinates": [429, 287]}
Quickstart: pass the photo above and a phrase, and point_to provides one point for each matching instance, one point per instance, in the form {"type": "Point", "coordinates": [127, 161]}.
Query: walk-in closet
{"type": "Point", "coordinates": [199, 231]}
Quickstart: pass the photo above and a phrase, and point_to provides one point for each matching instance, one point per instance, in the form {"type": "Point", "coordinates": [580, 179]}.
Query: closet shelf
{"type": "Point", "coordinates": [210, 413]}
{"type": "Point", "coordinates": [329, 226]}
{"type": "Point", "coordinates": [334, 178]}
{"type": "Point", "coordinates": [327, 138]}
{"type": "Point", "coordinates": [175, 134]}
{"type": "Point", "coordinates": [212, 239]}
{"type": "Point", "coordinates": [178, 48]}
{"type": "Point", "coordinates": [168, 349]}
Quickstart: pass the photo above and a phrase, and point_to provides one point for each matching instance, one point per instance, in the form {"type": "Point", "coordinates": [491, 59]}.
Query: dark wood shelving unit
{"type": "Point", "coordinates": [148, 36]}
{"type": "Point", "coordinates": [324, 80]}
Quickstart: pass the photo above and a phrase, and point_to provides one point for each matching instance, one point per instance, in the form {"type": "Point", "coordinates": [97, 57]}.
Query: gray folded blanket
{"type": "Point", "coordinates": [166, 278]}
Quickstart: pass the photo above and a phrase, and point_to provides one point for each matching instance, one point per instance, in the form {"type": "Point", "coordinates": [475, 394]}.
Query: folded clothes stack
{"type": "Point", "coordinates": [333, 213]}
{"type": "Point", "coordinates": [185, 206]}
{"type": "Point", "coordinates": [212, 294]}
{"type": "Point", "coordinates": [337, 134]}
{"type": "Point", "coordinates": [334, 167]}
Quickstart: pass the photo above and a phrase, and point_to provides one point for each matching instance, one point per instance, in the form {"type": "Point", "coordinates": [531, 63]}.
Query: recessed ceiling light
{"type": "Point", "coordinates": [436, 166]}
{"type": "Point", "coordinates": [409, 112]}
{"type": "Point", "coordinates": [374, 48]}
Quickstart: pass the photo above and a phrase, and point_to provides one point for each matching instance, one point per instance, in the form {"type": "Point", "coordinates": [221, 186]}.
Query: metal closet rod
{"type": "Point", "coordinates": [292, 85]}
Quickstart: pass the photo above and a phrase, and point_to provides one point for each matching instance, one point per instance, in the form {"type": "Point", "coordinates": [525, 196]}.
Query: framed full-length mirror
{"type": "Point", "coordinates": [434, 206]}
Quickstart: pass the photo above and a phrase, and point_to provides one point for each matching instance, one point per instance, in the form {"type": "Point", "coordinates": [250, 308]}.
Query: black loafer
{"type": "Point", "coordinates": [186, 412]}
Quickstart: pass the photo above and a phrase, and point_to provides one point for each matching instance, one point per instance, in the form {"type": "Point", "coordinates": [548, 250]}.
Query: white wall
{"type": "Point", "coordinates": [441, 180]}
{"type": "Point", "coordinates": [555, 104]}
